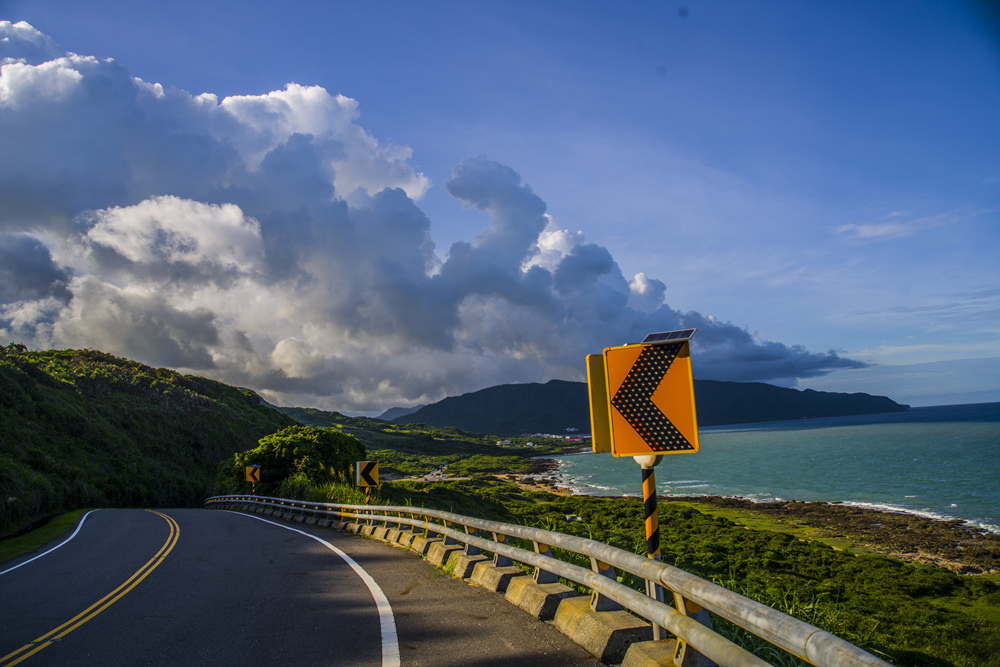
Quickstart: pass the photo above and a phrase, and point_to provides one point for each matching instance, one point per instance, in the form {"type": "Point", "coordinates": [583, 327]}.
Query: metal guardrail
{"type": "Point", "coordinates": [690, 593]}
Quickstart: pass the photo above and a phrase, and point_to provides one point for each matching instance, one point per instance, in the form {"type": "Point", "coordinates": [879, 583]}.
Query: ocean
{"type": "Point", "coordinates": [941, 462]}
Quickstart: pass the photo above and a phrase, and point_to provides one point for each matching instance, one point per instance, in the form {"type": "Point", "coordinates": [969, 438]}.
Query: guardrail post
{"type": "Point", "coordinates": [448, 540]}
{"type": "Point", "coordinates": [469, 549]}
{"type": "Point", "coordinates": [500, 560]}
{"type": "Point", "coordinates": [543, 576]}
{"type": "Point", "coordinates": [684, 655]}
{"type": "Point", "coordinates": [599, 601]}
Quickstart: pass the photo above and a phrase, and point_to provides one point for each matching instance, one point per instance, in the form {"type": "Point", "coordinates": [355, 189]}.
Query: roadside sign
{"type": "Point", "coordinates": [253, 474]}
{"type": "Point", "coordinates": [366, 473]}
{"type": "Point", "coordinates": [642, 397]}
{"type": "Point", "coordinates": [600, 420]}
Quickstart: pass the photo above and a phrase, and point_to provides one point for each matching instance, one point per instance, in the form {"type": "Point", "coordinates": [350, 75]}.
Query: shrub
{"type": "Point", "coordinates": [307, 454]}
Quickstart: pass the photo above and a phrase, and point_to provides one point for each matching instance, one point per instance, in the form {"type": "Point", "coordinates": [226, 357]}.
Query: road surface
{"type": "Point", "coordinates": [200, 587]}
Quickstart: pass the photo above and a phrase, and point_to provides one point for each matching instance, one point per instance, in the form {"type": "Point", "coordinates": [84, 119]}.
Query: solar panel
{"type": "Point", "coordinates": [669, 336]}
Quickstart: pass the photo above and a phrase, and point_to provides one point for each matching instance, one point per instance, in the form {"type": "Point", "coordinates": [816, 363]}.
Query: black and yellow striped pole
{"type": "Point", "coordinates": [652, 520]}
{"type": "Point", "coordinates": [650, 512]}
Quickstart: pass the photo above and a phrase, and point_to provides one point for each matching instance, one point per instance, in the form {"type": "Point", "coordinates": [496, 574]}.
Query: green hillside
{"type": "Point", "coordinates": [83, 428]}
{"type": "Point", "coordinates": [418, 449]}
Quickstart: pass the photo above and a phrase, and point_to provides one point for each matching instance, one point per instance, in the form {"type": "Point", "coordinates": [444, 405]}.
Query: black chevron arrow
{"type": "Point", "coordinates": [634, 399]}
{"type": "Point", "coordinates": [367, 471]}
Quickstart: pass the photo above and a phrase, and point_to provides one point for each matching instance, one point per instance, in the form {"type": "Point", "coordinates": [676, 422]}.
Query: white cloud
{"type": "Point", "coordinates": [270, 241]}
{"type": "Point", "coordinates": [646, 293]}
{"type": "Point", "coordinates": [358, 160]}
{"type": "Point", "coordinates": [178, 231]}
{"type": "Point", "coordinates": [896, 225]}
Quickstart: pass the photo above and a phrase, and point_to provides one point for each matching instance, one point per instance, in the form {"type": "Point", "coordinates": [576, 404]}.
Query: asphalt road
{"type": "Point", "coordinates": [200, 587]}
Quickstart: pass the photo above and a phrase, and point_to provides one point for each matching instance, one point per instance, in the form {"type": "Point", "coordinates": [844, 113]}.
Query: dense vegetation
{"type": "Point", "coordinates": [312, 456]}
{"type": "Point", "coordinates": [419, 449]}
{"type": "Point", "coordinates": [82, 428]}
{"type": "Point", "coordinates": [558, 405]}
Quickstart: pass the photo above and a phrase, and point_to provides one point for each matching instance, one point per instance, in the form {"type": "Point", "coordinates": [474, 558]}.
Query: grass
{"type": "Point", "coordinates": [771, 524]}
{"type": "Point", "coordinates": [40, 537]}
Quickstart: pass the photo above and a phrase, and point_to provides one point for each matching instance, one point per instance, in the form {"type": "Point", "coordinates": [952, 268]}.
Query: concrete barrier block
{"type": "Point", "coordinates": [288, 516]}
{"type": "Point", "coordinates": [354, 527]}
{"type": "Point", "coordinates": [311, 520]}
{"type": "Point", "coordinates": [380, 532]}
{"type": "Point", "coordinates": [539, 600]}
{"type": "Point", "coordinates": [464, 564]}
{"type": "Point", "coordinates": [368, 530]}
{"type": "Point", "coordinates": [299, 518]}
{"type": "Point", "coordinates": [494, 578]}
{"type": "Point", "coordinates": [392, 536]}
{"type": "Point", "coordinates": [405, 539]}
{"type": "Point", "coordinates": [605, 634]}
{"type": "Point", "coordinates": [423, 544]}
{"type": "Point", "coordinates": [439, 553]}
{"type": "Point", "coordinates": [650, 654]}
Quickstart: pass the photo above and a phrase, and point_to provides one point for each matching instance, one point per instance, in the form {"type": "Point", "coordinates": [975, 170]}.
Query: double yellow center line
{"type": "Point", "coordinates": [93, 610]}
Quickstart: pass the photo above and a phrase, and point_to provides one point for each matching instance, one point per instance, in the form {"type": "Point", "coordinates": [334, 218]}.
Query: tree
{"type": "Point", "coordinates": [315, 453]}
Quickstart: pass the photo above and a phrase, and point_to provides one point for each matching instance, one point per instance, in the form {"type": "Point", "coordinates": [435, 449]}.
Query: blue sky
{"type": "Point", "coordinates": [815, 185]}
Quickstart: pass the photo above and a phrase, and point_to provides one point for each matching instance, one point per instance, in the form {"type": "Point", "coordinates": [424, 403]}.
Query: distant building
{"type": "Point", "coordinates": [503, 443]}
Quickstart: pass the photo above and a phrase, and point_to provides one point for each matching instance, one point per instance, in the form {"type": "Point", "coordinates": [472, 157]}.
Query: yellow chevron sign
{"type": "Point", "coordinates": [642, 397]}
{"type": "Point", "coordinates": [366, 473]}
{"type": "Point", "coordinates": [253, 474]}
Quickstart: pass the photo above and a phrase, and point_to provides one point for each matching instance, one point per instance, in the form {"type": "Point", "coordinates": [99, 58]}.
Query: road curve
{"type": "Point", "coordinates": [234, 590]}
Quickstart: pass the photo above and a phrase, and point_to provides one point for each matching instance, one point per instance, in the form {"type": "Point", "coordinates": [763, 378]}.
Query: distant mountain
{"type": "Point", "coordinates": [559, 406]}
{"type": "Point", "coordinates": [396, 413]}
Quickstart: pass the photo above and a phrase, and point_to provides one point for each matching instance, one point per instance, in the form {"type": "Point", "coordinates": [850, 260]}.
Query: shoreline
{"type": "Point", "coordinates": [951, 543]}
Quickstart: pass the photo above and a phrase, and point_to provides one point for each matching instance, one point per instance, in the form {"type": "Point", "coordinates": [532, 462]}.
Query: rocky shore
{"type": "Point", "coordinates": [956, 545]}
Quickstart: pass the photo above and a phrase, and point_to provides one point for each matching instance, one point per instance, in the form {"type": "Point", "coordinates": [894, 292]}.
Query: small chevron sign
{"type": "Point", "coordinates": [253, 474]}
{"type": "Point", "coordinates": [366, 473]}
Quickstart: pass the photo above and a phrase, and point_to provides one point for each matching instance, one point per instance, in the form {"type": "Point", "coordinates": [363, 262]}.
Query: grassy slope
{"type": "Point", "coordinates": [418, 449]}
{"type": "Point", "coordinates": [82, 428]}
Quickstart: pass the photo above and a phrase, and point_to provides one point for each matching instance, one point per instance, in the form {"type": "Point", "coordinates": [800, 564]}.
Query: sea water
{"type": "Point", "coordinates": [941, 462]}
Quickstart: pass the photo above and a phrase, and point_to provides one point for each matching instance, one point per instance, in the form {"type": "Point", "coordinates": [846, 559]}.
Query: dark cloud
{"type": "Point", "coordinates": [27, 272]}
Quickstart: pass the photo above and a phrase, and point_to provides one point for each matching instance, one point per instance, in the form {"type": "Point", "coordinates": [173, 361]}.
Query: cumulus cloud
{"type": "Point", "coordinates": [270, 241]}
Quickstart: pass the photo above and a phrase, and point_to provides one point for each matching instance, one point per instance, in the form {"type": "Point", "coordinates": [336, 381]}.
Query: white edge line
{"type": "Point", "coordinates": [78, 527]}
{"type": "Point", "coordinates": [387, 622]}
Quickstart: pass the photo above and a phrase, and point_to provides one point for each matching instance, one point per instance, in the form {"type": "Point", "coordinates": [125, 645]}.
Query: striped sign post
{"type": "Point", "coordinates": [652, 519]}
